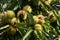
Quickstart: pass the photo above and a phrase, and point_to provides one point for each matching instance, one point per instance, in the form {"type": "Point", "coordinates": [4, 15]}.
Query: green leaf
{"type": "Point", "coordinates": [19, 3]}
{"type": "Point", "coordinates": [22, 26]}
{"type": "Point", "coordinates": [55, 32]}
{"type": "Point", "coordinates": [46, 28]}
{"type": "Point", "coordinates": [58, 23]}
{"type": "Point", "coordinates": [39, 37]}
{"type": "Point", "coordinates": [15, 8]}
{"type": "Point", "coordinates": [56, 14]}
{"type": "Point", "coordinates": [30, 17]}
{"type": "Point", "coordinates": [44, 6]}
{"type": "Point", "coordinates": [27, 34]}
{"type": "Point", "coordinates": [47, 35]}
{"type": "Point", "coordinates": [4, 27]}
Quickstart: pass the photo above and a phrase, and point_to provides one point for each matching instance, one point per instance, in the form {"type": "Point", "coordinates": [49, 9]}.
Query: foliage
{"type": "Point", "coordinates": [23, 27]}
